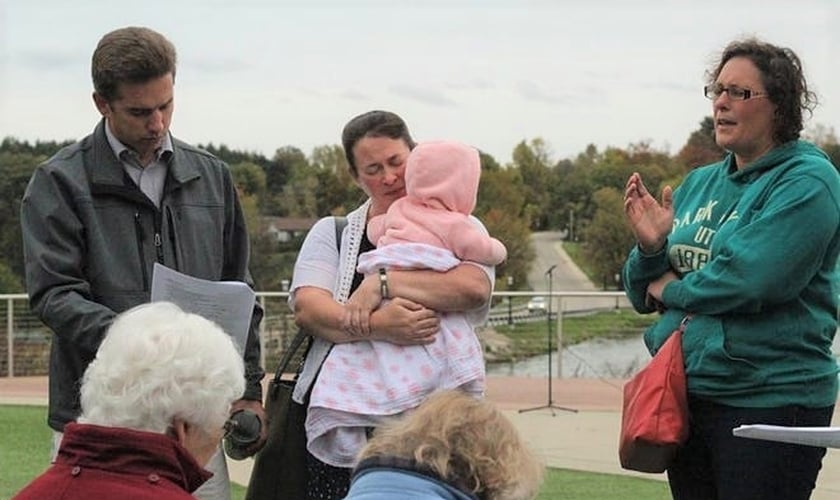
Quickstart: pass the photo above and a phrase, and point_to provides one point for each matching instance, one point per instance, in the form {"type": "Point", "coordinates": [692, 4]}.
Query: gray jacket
{"type": "Point", "coordinates": [91, 237]}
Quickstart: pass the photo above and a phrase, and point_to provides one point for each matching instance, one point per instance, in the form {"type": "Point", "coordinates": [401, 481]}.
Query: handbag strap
{"type": "Point", "coordinates": [301, 335]}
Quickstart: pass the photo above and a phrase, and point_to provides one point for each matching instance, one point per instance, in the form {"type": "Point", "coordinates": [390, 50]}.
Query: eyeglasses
{"type": "Point", "coordinates": [735, 93]}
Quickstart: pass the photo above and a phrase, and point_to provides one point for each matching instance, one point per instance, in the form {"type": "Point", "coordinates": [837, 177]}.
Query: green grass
{"type": "Point", "coordinates": [25, 446]}
{"type": "Point", "coordinates": [26, 443]}
{"type": "Point", "coordinates": [563, 484]}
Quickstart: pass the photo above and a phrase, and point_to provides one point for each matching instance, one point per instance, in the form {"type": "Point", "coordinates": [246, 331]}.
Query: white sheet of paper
{"type": "Point", "coordinates": [828, 437]}
{"type": "Point", "coordinates": [229, 304]}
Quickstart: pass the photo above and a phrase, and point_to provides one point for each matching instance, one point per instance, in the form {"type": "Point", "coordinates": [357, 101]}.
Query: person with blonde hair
{"type": "Point", "coordinates": [155, 402]}
{"type": "Point", "coordinates": [453, 446]}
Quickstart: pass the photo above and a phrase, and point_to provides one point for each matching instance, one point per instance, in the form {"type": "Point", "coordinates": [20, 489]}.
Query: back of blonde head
{"type": "Point", "coordinates": [467, 442]}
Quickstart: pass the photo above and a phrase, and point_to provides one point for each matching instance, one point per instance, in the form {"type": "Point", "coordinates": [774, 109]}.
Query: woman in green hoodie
{"type": "Point", "coordinates": [748, 248]}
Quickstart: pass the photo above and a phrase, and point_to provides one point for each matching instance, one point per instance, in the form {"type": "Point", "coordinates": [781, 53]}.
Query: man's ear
{"type": "Point", "coordinates": [101, 104]}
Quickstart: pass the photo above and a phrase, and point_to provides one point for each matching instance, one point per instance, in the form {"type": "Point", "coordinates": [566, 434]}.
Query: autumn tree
{"type": "Point", "coordinates": [297, 197]}
{"type": "Point", "coordinates": [516, 236]}
{"type": "Point", "coordinates": [533, 161]}
{"type": "Point", "coordinates": [701, 148]}
{"type": "Point", "coordinates": [249, 179]}
{"type": "Point", "coordinates": [337, 192]}
{"type": "Point", "coordinates": [16, 170]}
{"type": "Point", "coordinates": [608, 239]}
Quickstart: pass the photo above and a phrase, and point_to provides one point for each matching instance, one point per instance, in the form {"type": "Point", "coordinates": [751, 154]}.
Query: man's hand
{"type": "Point", "coordinates": [257, 408]}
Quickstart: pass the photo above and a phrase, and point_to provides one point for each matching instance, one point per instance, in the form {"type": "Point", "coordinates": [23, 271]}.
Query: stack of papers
{"type": "Point", "coordinates": [229, 304]}
{"type": "Point", "coordinates": [824, 437]}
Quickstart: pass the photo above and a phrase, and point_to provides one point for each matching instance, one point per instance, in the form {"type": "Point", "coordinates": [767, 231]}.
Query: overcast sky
{"type": "Point", "coordinates": [260, 74]}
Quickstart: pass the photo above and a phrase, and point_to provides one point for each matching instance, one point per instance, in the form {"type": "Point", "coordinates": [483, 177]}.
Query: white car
{"type": "Point", "coordinates": [537, 304]}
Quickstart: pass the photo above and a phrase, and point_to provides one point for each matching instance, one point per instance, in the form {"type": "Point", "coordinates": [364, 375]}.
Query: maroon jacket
{"type": "Point", "coordinates": [110, 462]}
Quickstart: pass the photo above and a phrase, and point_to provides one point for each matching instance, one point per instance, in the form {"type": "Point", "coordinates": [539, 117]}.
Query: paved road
{"type": "Point", "coordinates": [566, 276]}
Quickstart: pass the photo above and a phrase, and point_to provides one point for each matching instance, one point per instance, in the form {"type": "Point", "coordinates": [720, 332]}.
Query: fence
{"type": "Point", "coordinates": [25, 341]}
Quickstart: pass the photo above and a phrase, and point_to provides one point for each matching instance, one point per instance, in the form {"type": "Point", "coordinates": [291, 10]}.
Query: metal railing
{"type": "Point", "coordinates": [27, 340]}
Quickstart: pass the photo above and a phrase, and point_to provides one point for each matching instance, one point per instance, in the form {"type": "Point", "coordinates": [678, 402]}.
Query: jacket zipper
{"type": "Point", "coordinates": [158, 239]}
{"type": "Point", "coordinates": [172, 237]}
{"type": "Point", "coordinates": [138, 229]}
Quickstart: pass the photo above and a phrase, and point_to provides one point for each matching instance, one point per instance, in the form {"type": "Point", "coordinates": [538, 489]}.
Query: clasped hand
{"type": "Point", "coordinates": [403, 322]}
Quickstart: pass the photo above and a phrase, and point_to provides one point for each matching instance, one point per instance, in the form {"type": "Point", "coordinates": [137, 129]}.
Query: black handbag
{"type": "Point", "coordinates": [279, 471]}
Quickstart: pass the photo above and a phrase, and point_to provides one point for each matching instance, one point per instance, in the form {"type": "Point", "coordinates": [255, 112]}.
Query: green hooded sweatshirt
{"type": "Point", "coordinates": [756, 251]}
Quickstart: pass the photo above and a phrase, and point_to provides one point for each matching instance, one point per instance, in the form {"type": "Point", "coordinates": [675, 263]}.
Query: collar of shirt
{"type": "Point", "coordinates": [149, 179]}
{"type": "Point", "coordinates": [162, 154]}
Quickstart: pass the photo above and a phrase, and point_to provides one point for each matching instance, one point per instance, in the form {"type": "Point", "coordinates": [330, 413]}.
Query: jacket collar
{"type": "Point", "coordinates": [412, 466]}
{"type": "Point", "coordinates": [106, 171]}
{"type": "Point", "coordinates": [130, 452]}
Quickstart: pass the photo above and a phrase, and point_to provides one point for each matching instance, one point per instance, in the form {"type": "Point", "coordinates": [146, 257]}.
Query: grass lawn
{"type": "Point", "coordinates": [26, 442]}
{"type": "Point", "coordinates": [25, 446]}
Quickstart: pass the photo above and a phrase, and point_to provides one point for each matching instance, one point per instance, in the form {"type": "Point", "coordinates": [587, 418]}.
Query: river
{"type": "Point", "coordinates": [598, 358]}
{"type": "Point", "coordinates": [607, 358]}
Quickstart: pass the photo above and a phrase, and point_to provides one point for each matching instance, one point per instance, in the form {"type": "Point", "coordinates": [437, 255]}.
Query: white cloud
{"type": "Point", "coordinates": [260, 74]}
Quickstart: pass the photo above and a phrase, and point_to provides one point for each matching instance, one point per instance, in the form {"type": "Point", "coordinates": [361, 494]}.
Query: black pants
{"type": "Point", "coordinates": [325, 481]}
{"type": "Point", "coordinates": [715, 465]}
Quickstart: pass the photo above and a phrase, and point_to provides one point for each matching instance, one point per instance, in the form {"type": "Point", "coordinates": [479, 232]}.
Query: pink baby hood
{"type": "Point", "coordinates": [444, 175]}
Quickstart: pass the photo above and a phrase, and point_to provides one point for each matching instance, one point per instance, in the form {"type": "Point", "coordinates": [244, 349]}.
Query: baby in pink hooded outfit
{"type": "Point", "coordinates": [362, 382]}
{"type": "Point", "coordinates": [441, 184]}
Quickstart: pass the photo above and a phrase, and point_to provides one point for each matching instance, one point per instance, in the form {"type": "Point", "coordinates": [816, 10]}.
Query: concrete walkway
{"type": "Point", "coordinates": [585, 439]}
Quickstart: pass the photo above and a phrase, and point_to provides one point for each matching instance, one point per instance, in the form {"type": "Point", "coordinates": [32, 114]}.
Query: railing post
{"type": "Point", "coordinates": [262, 333]}
{"type": "Point", "coordinates": [560, 307]}
{"type": "Point", "coordinates": [10, 337]}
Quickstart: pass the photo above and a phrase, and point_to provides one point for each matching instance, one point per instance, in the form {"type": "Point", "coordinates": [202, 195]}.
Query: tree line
{"type": "Point", "coordinates": [580, 196]}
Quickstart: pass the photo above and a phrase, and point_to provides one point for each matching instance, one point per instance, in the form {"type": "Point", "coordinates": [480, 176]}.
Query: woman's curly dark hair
{"type": "Point", "coordinates": [783, 79]}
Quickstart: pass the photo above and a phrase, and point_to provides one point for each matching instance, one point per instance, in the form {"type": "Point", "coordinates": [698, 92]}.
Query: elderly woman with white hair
{"type": "Point", "coordinates": [155, 401]}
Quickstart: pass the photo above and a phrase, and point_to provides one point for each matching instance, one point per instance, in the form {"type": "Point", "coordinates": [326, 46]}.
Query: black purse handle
{"type": "Point", "coordinates": [301, 335]}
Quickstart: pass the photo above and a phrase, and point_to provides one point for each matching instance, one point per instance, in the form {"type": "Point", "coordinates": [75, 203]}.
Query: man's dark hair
{"type": "Point", "coordinates": [130, 55]}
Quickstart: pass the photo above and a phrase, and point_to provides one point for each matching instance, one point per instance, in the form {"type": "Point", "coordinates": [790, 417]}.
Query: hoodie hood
{"type": "Point", "coordinates": [443, 175]}
{"type": "Point", "coordinates": [798, 150]}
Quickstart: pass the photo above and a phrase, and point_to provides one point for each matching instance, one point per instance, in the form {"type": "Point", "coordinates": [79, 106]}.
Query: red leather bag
{"type": "Point", "coordinates": [654, 417]}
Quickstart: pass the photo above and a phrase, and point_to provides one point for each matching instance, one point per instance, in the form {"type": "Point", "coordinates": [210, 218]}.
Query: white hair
{"type": "Point", "coordinates": [158, 362]}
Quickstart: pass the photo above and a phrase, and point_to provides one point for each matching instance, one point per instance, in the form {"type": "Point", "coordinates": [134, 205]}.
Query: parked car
{"type": "Point", "coordinates": [537, 305]}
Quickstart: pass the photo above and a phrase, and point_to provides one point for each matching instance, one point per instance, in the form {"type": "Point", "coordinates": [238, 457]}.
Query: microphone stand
{"type": "Point", "coordinates": [550, 405]}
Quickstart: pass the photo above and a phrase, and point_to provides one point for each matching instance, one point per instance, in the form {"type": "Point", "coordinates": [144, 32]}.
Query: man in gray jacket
{"type": "Point", "coordinates": [97, 216]}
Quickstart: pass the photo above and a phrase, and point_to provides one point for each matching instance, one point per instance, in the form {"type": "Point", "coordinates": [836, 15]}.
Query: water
{"type": "Point", "coordinates": [597, 358]}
